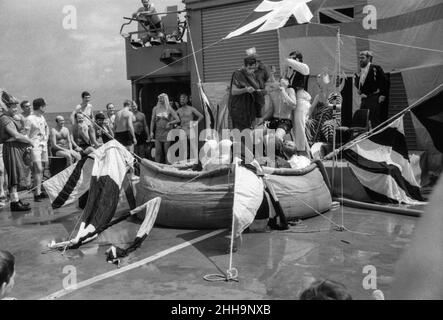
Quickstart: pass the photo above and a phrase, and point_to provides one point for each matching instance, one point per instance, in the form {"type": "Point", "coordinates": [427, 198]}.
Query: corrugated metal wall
{"type": "Point", "coordinates": [221, 60]}
{"type": "Point", "coordinates": [398, 101]}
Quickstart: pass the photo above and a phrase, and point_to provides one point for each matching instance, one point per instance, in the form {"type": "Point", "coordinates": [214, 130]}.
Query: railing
{"type": "Point", "coordinates": [154, 35]}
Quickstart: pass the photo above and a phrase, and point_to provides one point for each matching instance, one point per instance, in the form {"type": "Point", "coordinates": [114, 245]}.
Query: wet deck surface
{"type": "Point", "coordinates": [271, 265]}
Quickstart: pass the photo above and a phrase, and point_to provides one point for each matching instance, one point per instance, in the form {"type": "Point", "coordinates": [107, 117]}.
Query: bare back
{"type": "Point", "coordinates": [122, 119]}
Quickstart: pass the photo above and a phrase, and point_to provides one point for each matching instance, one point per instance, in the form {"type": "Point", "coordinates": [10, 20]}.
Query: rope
{"type": "Point", "coordinates": [379, 41]}
{"type": "Point", "coordinates": [178, 60]}
{"type": "Point", "coordinates": [381, 126]}
{"type": "Point", "coordinates": [395, 44]}
{"type": "Point", "coordinates": [231, 273]}
{"type": "Point", "coordinates": [108, 135]}
{"type": "Point", "coordinates": [330, 220]}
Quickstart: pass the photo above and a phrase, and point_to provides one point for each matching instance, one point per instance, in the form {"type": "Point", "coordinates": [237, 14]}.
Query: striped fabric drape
{"type": "Point", "coordinates": [381, 164]}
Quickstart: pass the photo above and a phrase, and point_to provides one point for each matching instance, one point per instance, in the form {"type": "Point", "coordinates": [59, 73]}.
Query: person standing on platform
{"type": "Point", "coordinates": [39, 135]}
{"type": "Point", "coordinates": [244, 85]}
{"type": "Point", "coordinates": [15, 146]}
{"type": "Point", "coordinates": [162, 121]}
{"type": "Point", "coordinates": [372, 86]}
{"type": "Point", "coordinates": [26, 112]}
{"type": "Point", "coordinates": [85, 107]}
{"type": "Point", "coordinates": [187, 115]}
{"type": "Point", "coordinates": [298, 74]}
{"type": "Point", "coordinates": [141, 131]}
{"type": "Point", "coordinates": [124, 127]}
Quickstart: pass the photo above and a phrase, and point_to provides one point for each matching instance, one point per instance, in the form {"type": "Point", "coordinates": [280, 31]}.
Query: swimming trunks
{"type": "Point", "coordinates": [125, 138]}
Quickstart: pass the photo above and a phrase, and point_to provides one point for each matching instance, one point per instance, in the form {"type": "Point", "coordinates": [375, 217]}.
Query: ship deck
{"type": "Point", "coordinates": [172, 264]}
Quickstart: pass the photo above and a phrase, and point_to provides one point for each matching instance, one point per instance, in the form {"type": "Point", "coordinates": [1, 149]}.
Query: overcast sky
{"type": "Point", "coordinates": [39, 58]}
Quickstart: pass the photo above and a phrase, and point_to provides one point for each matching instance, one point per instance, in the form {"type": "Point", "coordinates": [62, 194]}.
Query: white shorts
{"type": "Point", "coordinates": [2, 167]}
{"type": "Point", "coordinates": [39, 153]}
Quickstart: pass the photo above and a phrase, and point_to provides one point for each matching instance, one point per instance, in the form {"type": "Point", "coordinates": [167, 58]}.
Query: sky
{"type": "Point", "coordinates": [40, 58]}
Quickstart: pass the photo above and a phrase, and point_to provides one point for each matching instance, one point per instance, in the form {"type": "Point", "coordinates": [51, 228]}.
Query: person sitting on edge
{"type": "Point", "coordinates": [147, 15]}
{"type": "Point", "coordinates": [61, 142]}
{"type": "Point", "coordinates": [187, 115]}
{"type": "Point", "coordinates": [141, 131]}
{"type": "Point", "coordinates": [162, 120]}
{"type": "Point", "coordinates": [83, 134]}
{"type": "Point", "coordinates": [7, 274]}
{"type": "Point", "coordinates": [103, 133]}
{"type": "Point", "coordinates": [326, 290]}
{"type": "Point", "coordinates": [124, 127]}
{"type": "Point", "coordinates": [84, 107]}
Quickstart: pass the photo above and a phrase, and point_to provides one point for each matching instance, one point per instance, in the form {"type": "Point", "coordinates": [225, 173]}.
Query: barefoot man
{"type": "Point", "coordinates": [124, 128]}
{"type": "Point", "coordinates": [61, 142]}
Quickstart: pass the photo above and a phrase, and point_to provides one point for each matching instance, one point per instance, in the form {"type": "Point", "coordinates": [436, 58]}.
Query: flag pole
{"type": "Point", "coordinates": [377, 129]}
{"type": "Point", "coordinates": [199, 83]}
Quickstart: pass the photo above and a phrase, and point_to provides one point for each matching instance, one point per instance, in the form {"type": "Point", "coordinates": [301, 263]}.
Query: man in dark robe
{"type": "Point", "coordinates": [245, 88]}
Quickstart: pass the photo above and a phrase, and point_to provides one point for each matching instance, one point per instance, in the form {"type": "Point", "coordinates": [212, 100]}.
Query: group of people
{"type": "Point", "coordinates": [258, 98]}
{"type": "Point", "coordinates": [284, 105]}
{"type": "Point", "coordinates": [24, 145]}
{"type": "Point", "coordinates": [27, 142]}
{"type": "Point", "coordinates": [373, 88]}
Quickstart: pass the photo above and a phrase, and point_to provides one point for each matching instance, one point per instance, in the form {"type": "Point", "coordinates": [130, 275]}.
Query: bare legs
{"type": "Point", "coordinates": [161, 151]}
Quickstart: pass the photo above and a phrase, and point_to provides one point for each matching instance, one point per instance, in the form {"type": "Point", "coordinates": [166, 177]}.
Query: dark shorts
{"type": "Point", "coordinates": [84, 146]}
{"type": "Point", "coordinates": [276, 123]}
{"type": "Point", "coordinates": [125, 138]}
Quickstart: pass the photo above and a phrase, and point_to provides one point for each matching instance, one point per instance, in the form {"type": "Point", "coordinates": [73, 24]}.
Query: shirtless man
{"type": "Point", "coordinates": [141, 131]}
{"type": "Point", "coordinates": [61, 142]}
{"type": "Point", "coordinates": [285, 102]}
{"type": "Point", "coordinates": [124, 127]}
{"type": "Point", "coordinates": [187, 123]}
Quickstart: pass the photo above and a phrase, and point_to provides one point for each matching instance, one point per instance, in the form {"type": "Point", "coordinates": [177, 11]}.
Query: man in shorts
{"type": "Point", "coordinates": [124, 127]}
{"type": "Point", "coordinates": [61, 142]}
{"type": "Point", "coordinates": [141, 131]}
{"type": "Point", "coordinates": [39, 135]}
